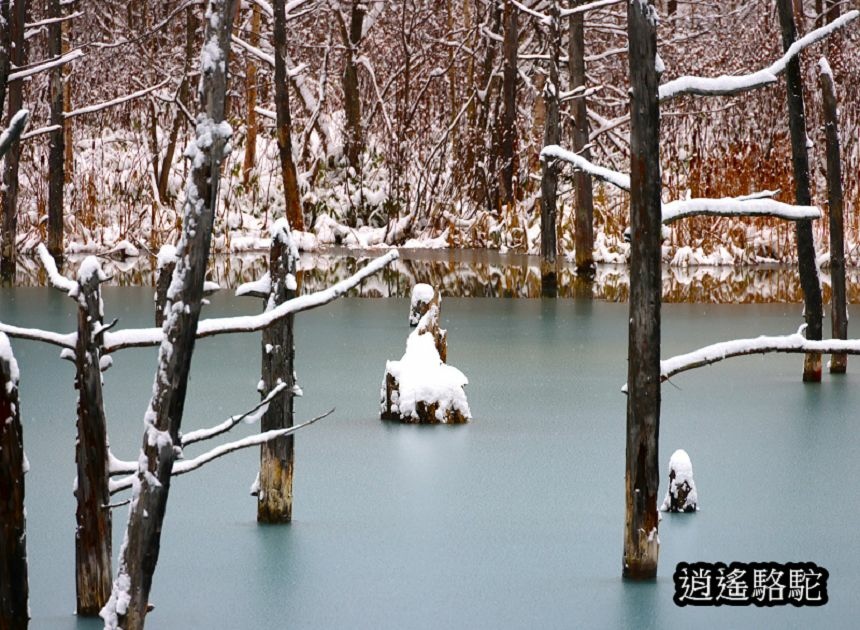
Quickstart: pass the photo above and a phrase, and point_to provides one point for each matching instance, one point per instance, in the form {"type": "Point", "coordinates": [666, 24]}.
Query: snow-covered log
{"type": "Point", "coordinates": [145, 337]}
{"type": "Point", "coordinates": [14, 589]}
{"type": "Point", "coordinates": [728, 85]}
{"type": "Point", "coordinates": [737, 207]}
{"type": "Point", "coordinates": [621, 180]}
{"type": "Point", "coordinates": [681, 495]}
{"type": "Point", "coordinates": [93, 532]}
{"type": "Point", "coordinates": [421, 388]}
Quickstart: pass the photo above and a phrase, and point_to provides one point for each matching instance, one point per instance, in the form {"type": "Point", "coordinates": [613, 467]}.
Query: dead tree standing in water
{"type": "Point", "coordinates": [812, 302]}
{"type": "Point", "coordinates": [549, 178]}
{"type": "Point", "coordinates": [641, 544]}
{"type": "Point", "coordinates": [130, 596]}
{"type": "Point", "coordinates": [57, 148]}
{"type": "Point", "coordinates": [14, 589]}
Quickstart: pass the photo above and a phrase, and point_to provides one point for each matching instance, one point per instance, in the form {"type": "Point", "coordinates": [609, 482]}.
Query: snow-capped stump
{"type": "Point", "coordinates": [423, 295]}
{"type": "Point", "coordinates": [681, 495]}
{"type": "Point", "coordinates": [421, 388]}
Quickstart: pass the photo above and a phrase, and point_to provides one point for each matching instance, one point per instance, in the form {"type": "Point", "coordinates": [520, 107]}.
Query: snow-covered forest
{"type": "Point", "coordinates": [411, 123]}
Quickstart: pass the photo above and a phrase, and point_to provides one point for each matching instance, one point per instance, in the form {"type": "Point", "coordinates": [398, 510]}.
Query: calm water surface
{"type": "Point", "coordinates": [512, 521]}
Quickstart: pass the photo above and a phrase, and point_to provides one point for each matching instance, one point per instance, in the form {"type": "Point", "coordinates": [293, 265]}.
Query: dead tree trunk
{"type": "Point", "coordinates": [293, 210]}
{"type": "Point", "coordinates": [14, 589]}
{"type": "Point", "coordinates": [251, 99]}
{"type": "Point", "coordinates": [549, 176]}
{"type": "Point", "coordinates": [641, 544]}
{"type": "Point", "coordinates": [583, 198]}
{"type": "Point", "coordinates": [509, 111]}
{"type": "Point", "coordinates": [57, 147]}
{"type": "Point", "coordinates": [839, 308]}
{"type": "Point", "coordinates": [9, 189]}
{"type": "Point", "coordinates": [128, 603]}
{"type": "Point", "coordinates": [812, 301]}
{"type": "Point", "coordinates": [5, 45]}
{"type": "Point", "coordinates": [93, 532]}
{"type": "Point", "coordinates": [351, 94]}
{"type": "Point", "coordinates": [275, 494]}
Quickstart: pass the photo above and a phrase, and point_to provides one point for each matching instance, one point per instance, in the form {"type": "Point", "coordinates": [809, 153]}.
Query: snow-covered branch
{"type": "Point", "coordinates": [249, 417]}
{"type": "Point", "coordinates": [257, 288]}
{"type": "Point", "coordinates": [35, 334]}
{"type": "Point", "coordinates": [14, 132]}
{"type": "Point", "coordinates": [90, 109]}
{"type": "Point", "coordinates": [53, 63]}
{"type": "Point", "coordinates": [57, 280]}
{"type": "Point", "coordinates": [795, 343]}
{"type": "Point", "coordinates": [735, 207]}
{"type": "Point", "coordinates": [621, 180]}
{"type": "Point", "coordinates": [187, 465]}
{"type": "Point", "coordinates": [144, 337]}
{"type": "Point", "coordinates": [727, 85]}
{"type": "Point", "coordinates": [590, 6]}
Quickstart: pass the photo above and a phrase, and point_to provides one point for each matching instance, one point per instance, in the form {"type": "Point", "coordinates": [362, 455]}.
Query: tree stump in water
{"type": "Point", "coordinates": [421, 388]}
{"type": "Point", "coordinates": [681, 495]}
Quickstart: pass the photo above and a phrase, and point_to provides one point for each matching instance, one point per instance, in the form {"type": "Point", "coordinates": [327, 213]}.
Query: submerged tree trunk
{"type": "Point", "coordinates": [813, 308]}
{"type": "Point", "coordinates": [839, 308]}
{"type": "Point", "coordinates": [14, 589]}
{"type": "Point", "coordinates": [293, 210]}
{"type": "Point", "coordinates": [508, 167]}
{"type": "Point", "coordinates": [583, 199]}
{"type": "Point", "coordinates": [127, 607]}
{"type": "Point", "coordinates": [549, 178]}
{"type": "Point", "coordinates": [57, 147]}
{"type": "Point", "coordinates": [275, 493]}
{"type": "Point", "coordinates": [93, 532]}
{"type": "Point", "coordinates": [9, 189]}
{"type": "Point", "coordinates": [641, 544]}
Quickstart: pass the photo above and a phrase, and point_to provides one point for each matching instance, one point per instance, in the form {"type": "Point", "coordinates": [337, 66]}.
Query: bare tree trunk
{"type": "Point", "coordinates": [549, 178]}
{"type": "Point", "coordinates": [9, 189]}
{"type": "Point", "coordinates": [285, 127]}
{"type": "Point", "coordinates": [509, 113]}
{"type": "Point", "coordinates": [800, 161]}
{"type": "Point", "coordinates": [583, 199]}
{"type": "Point", "coordinates": [351, 94]}
{"type": "Point", "coordinates": [93, 532]}
{"type": "Point", "coordinates": [5, 44]}
{"type": "Point", "coordinates": [57, 150]}
{"type": "Point", "coordinates": [251, 99]}
{"type": "Point", "coordinates": [839, 308]}
{"type": "Point", "coordinates": [68, 144]}
{"type": "Point", "coordinates": [163, 276]}
{"type": "Point", "coordinates": [14, 589]}
{"type": "Point", "coordinates": [128, 603]}
{"type": "Point", "coordinates": [275, 495]}
{"type": "Point", "coordinates": [641, 544]}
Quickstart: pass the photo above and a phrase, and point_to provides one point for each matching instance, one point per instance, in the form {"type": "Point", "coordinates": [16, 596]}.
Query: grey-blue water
{"type": "Point", "coordinates": [513, 521]}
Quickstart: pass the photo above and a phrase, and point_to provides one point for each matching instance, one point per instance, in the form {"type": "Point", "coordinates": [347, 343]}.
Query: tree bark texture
{"type": "Point", "coordinates": [508, 159]}
{"type": "Point", "coordinates": [812, 301]}
{"type": "Point", "coordinates": [839, 303]}
{"type": "Point", "coordinates": [583, 196]}
{"type": "Point", "coordinates": [549, 175]}
{"type": "Point", "coordinates": [251, 99]}
{"type": "Point", "coordinates": [275, 497]}
{"type": "Point", "coordinates": [9, 189]}
{"type": "Point", "coordinates": [293, 210]}
{"type": "Point", "coordinates": [57, 146]}
{"type": "Point", "coordinates": [351, 94]}
{"type": "Point", "coordinates": [14, 589]}
{"type": "Point", "coordinates": [641, 544]}
{"type": "Point", "coordinates": [127, 607]}
{"type": "Point", "coordinates": [93, 531]}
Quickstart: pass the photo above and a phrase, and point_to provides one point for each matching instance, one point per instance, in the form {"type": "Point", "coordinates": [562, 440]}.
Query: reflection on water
{"type": "Point", "coordinates": [478, 273]}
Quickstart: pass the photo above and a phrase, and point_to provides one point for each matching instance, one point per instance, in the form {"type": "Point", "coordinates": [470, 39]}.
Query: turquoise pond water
{"type": "Point", "coordinates": [512, 521]}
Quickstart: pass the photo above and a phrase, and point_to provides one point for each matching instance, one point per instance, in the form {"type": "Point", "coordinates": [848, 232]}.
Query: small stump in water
{"type": "Point", "coordinates": [421, 388]}
{"type": "Point", "coordinates": [681, 495]}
